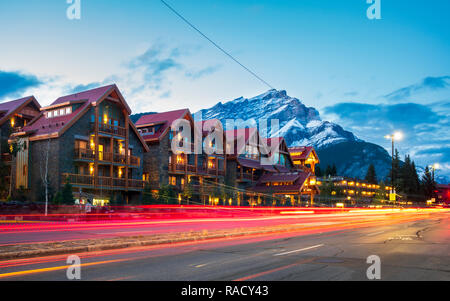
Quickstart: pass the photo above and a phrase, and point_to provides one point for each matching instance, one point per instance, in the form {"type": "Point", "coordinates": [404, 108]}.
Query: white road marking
{"type": "Point", "coordinates": [299, 250]}
{"type": "Point", "coordinates": [372, 234]}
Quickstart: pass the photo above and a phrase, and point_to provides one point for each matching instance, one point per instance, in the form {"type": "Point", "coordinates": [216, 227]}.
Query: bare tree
{"type": "Point", "coordinates": [44, 173]}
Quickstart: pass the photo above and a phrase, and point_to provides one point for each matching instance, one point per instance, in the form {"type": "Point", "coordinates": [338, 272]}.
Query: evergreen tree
{"type": "Point", "coordinates": [371, 175]}
{"type": "Point", "coordinates": [428, 184]}
{"type": "Point", "coordinates": [416, 180]}
{"type": "Point", "coordinates": [333, 170]}
{"type": "Point", "coordinates": [147, 195]}
{"type": "Point", "coordinates": [328, 171]}
{"type": "Point", "coordinates": [57, 199]}
{"type": "Point", "coordinates": [67, 194]}
{"type": "Point", "coordinates": [188, 191]}
{"type": "Point", "coordinates": [319, 172]}
{"type": "Point", "coordinates": [380, 195]}
{"type": "Point", "coordinates": [167, 194]}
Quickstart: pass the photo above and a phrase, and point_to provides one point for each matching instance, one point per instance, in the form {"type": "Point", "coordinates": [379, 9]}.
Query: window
{"type": "Point", "coordinates": [55, 113]}
{"type": "Point", "coordinates": [62, 112]}
{"type": "Point", "coordinates": [173, 181]}
{"type": "Point", "coordinates": [68, 110]}
{"type": "Point", "coordinates": [49, 114]}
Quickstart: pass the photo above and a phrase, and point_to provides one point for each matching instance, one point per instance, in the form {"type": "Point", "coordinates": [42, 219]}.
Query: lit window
{"type": "Point", "coordinates": [62, 112]}
{"type": "Point", "coordinates": [68, 110]}
{"type": "Point", "coordinates": [55, 113]}
{"type": "Point", "coordinates": [49, 114]}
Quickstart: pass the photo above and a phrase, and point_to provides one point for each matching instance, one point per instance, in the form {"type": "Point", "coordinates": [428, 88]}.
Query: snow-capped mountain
{"type": "Point", "coordinates": [301, 125]}
{"type": "Point", "coordinates": [298, 124]}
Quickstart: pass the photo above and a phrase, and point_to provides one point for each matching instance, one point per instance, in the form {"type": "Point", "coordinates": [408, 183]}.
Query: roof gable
{"type": "Point", "coordinates": [11, 107]}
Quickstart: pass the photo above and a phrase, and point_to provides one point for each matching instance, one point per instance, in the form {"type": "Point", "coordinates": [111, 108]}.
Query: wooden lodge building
{"type": "Point", "coordinates": [163, 166]}
{"type": "Point", "coordinates": [88, 140]}
{"type": "Point", "coordinates": [14, 115]}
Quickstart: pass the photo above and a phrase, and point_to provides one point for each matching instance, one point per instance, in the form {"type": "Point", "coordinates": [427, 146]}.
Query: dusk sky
{"type": "Point", "coordinates": [370, 76]}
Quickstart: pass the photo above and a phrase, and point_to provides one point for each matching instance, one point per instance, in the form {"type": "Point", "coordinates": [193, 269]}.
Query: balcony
{"type": "Point", "coordinates": [89, 154]}
{"type": "Point", "coordinates": [110, 129]}
{"type": "Point", "coordinates": [104, 182]}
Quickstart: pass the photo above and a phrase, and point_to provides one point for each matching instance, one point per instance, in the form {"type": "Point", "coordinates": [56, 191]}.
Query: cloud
{"type": "Point", "coordinates": [81, 87]}
{"type": "Point", "coordinates": [403, 115]}
{"type": "Point", "coordinates": [440, 153]}
{"type": "Point", "coordinates": [15, 83]}
{"type": "Point", "coordinates": [425, 127]}
{"type": "Point", "coordinates": [154, 64]}
{"type": "Point", "coordinates": [202, 72]}
{"type": "Point", "coordinates": [428, 84]}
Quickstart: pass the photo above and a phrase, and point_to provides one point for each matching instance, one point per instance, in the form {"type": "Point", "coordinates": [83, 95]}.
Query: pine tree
{"type": "Point", "coordinates": [67, 194]}
{"type": "Point", "coordinates": [188, 191]}
{"type": "Point", "coordinates": [147, 196]}
{"type": "Point", "coordinates": [328, 171]}
{"type": "Point", "coordinates": [333, 170]}
{"type": "Point", "coordinates": [318, 171]}
{"type": "Point", "coordinates": [371, 175]}
{"type": "Point", "coordinates": [428, 184]}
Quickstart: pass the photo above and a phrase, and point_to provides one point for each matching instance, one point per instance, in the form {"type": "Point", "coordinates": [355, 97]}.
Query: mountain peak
{"type": "Point", "coordinates": [302, 126]}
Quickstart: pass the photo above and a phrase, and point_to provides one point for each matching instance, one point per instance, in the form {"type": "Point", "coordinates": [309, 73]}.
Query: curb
{"type": "Point", "coordinates": [137, 242]}
{"type": "Point", "coordinates": [148, 241]}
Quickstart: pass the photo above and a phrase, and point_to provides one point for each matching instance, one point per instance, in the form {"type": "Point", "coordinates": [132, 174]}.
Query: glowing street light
{"type": "Point", "coordinates": [434, 167]}
{"type": "Point", "coordinates": [396, 136]}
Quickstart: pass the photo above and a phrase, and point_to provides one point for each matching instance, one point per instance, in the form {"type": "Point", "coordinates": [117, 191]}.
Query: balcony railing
{"type": "Point", "coordinates": [89, 154]}
{"type": "Point", "coordinates": [111, 129]}
{"type": "Point", "coordinates": [86, 154]}
{"type": "Point", "coordinates": [88, 180]}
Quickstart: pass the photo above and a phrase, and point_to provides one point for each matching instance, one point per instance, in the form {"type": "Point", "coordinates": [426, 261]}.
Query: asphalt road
{"type": "Point", "coordinates": [409, 250]}
{"type": "Point", "coordinates": [12, 234]}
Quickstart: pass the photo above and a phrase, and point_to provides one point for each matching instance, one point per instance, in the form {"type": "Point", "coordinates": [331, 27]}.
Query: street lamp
{"type": "Point", "coordinates": [433, 168]}
{"type": "Point", "coordinates": [395, 136]}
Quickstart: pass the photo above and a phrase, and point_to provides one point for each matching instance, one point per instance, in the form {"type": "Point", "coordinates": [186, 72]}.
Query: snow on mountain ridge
{"type": "Point", "coordinates": [298, 124]}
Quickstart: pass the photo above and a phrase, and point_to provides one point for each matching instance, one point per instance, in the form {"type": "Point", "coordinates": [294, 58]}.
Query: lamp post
{"type": "Point", "coordinates": [395, 136]}
{"type": "Point", "coordinates": [433, 168]}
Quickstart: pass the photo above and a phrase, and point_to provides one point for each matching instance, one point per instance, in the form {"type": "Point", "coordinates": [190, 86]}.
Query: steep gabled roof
{"type": "Point", "coordinates": [11, 107]}
{"type": "Point", "coordinates": [165, 119]}
{"type": "Point", "coordinates": [302, 152]}
{"type": "Point", "coordinates": [44, 128]}
{"type": "Point", "coordinates": [297, 179]}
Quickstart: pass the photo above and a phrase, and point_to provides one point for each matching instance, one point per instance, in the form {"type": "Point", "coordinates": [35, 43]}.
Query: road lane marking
{"type": "Point", "coordinates": [200, 265]}
{"type": "Point", "coordinates": [275, 270]}
{"type": "Point", "coordinates": [372, 234]}
{"type": "Point", "coordinates": [299, 250]}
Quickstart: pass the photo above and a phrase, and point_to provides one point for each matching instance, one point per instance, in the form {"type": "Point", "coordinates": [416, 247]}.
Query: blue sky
{"type": "Point", "coordinates": [370, 76]}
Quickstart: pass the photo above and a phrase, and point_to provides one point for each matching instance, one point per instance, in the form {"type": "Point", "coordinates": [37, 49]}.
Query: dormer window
{"type": "Point", "coordinates": [59, 112]}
